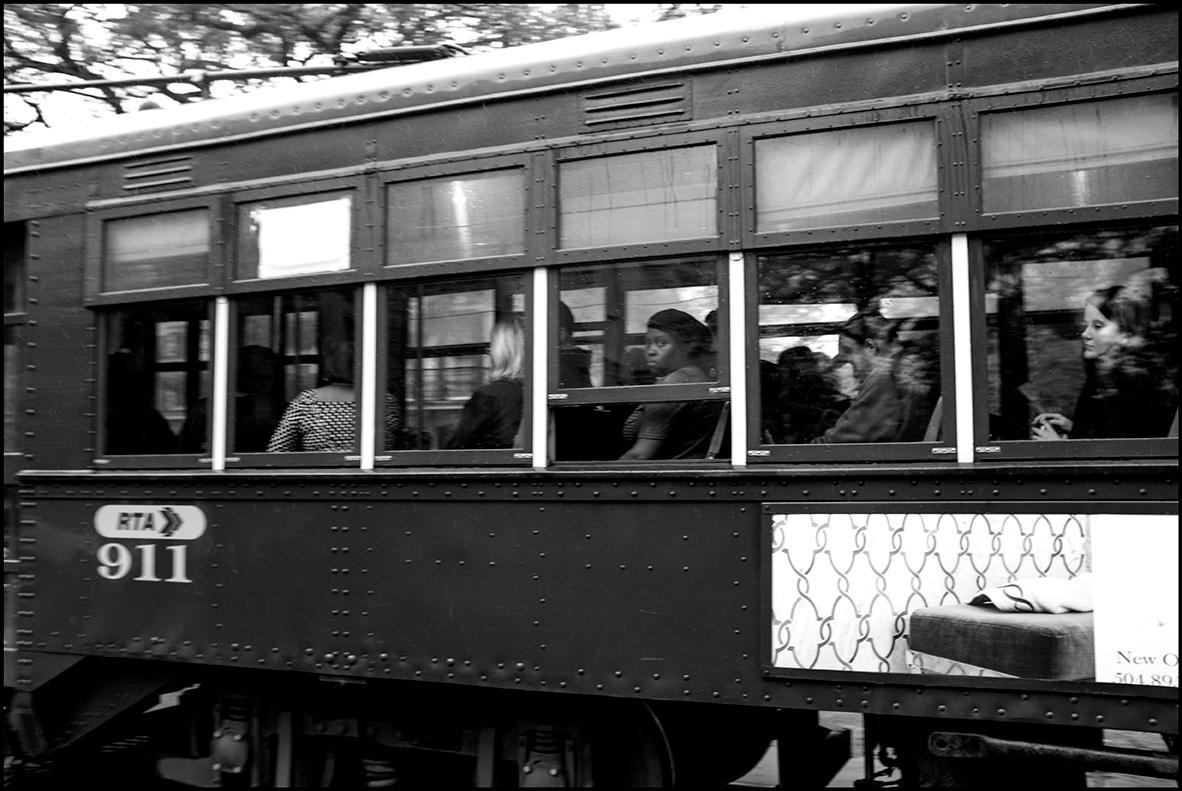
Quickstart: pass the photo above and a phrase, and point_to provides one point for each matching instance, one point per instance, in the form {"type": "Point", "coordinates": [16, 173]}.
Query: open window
{"type": "Point", "coordinates": [156, 380]}
{"type": "Point", "coordinates": [456, 358]}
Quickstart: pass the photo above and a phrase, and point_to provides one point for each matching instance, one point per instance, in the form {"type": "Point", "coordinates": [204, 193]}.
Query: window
{"type": "Point", "coordinates": [156, 376]}
{"type": "Point", "coordinates": [156, 251]}
{"type": "Point", "coordinates": [1082, 154]}
{"type": "Point", "coordinates": [287, 237]}
{"type": "Point", "coordinates": [456, 364]}
{"type": "Point", "coordinates": [294, 374]}
{"type": "Point", "coordinates": [1082, 335]}
{"type": "Point", "coordinates": [456, 218]}
{"type": "Point", "coordinates": [849, 345]}
{"type": "Point", "coordinates": [639, 359]}
{"type": "Point", "coordinates": [651, 196]}
{"type": "Point", "coordinates": [858, 176]}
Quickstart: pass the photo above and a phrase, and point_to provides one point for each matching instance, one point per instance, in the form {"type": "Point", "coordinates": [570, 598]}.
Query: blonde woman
{"type": "Point", "coordinates": [493, 414]}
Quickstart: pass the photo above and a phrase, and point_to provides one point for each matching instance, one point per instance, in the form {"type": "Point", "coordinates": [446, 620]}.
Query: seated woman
{"type": "Point", "coordinates": [1126, 392]}
{"type": "Point", "coordinates": [492, 415]}
{"type": "Point", "coordinates": [677, 346]}
{"type": "Point", "coordinates": [808, 402]}
{"type": "Point", "coordinates": [324, 419]}
{"type": "Point", "coordinates": [868, 342]}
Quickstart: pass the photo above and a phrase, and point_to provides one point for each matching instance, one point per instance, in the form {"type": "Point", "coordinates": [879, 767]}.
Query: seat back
{"type": "Point", "coordinates": [719, 431]}
{"type": "Point", "coordinates": [936, 422]}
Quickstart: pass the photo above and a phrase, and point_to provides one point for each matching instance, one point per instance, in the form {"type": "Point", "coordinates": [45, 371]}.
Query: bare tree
{"type": "Point", "coordinates": [56, 43]}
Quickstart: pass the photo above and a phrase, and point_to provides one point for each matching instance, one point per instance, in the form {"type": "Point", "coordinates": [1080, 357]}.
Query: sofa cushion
{"type": "Point", "coordinates": [1028, 645]}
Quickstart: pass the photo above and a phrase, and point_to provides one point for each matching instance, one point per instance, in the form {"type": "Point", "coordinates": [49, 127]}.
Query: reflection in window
{"type": "Point", "coordinates": [294, 236]}
{"type": "Point", "coordinates": [1082, 339]}
{"type": "Point", "coordinates": [1081, 154]}
{"type": "Point", "coordinates": [157, 374]}
{"type": "Point", "coordinates": [472, 216]}
{"type": "Point", "coordinates": [170, 249]}
{"type": "Point", "coordinates": [653, 196]}
{"type": "Point", "coordinates": [846, 177]}
{"type": "Point", "coordinates": [849, 345]}
{"type": "Point", "coordinates": [455, 362]}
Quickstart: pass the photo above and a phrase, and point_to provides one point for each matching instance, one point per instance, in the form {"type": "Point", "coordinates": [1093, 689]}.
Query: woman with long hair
{"type": "Point", "coordinates": [492, 416]}
{"type": "Point", "coordinates": [1126, 391]}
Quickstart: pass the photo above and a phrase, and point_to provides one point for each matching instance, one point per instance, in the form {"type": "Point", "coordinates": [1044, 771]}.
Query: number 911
{"type": "Point", "coordinates": [116, 561]}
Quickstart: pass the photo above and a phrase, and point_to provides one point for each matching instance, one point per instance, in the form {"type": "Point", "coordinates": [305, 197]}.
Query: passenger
{"type": "Point", "coordinates": [1126, 392]}
{"type": "Point", "coordinates": [492, 416]}
{"type": "Point", "coordinates": [809, 401]}
{"type": "Point", "coordinates": [676, 347]}
{"type": "Point", "coordinates": [917, 377]}
{"type": "Point", "coordinates": [711, 322]}
{"type": "Point", "coordinates": [867, 341]}
{"type": "Point", "coordinates": [771, 416]}
{"type": "Point", "coordinates": [324, 419]}
{"type": "Point", "coordinates": [256, 409]}
{"type": "Point", "coordinates": [574, 362]}
{"type": "Point", "coordinates": [134, 425]}
{"type": "Point", "coordinates": [635, 368]}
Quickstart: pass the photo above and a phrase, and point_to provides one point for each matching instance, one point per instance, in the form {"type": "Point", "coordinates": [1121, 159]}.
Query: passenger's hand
{"type": "Point", "coordinates": [1050, 426]}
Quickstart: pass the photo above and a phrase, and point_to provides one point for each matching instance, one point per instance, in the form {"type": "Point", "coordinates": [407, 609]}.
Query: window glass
{"type": "Point", "coordinates": [1082, 339]}
{"type": "Point", "coordinates": [170, 249]}
{"type": "Point", "coordinates": [1081, 154]}
{"type": "Point", "coordinates": [293, 374]}
{"type": "Point", "coordinates": [471, 216]}
{"type": "Point", "coordinates": [870, 174]}
{"type": "Point", "coordinates": [849, 345]}
{"type": "Point", "coordinates": [456, 363]}
{"type": "Point", "coordinates": [633, 324]}
{"type": "Point", "coordinates": [294, 236]}
{"type": "Point", "coordinates": [652, 196]}
{"type": "Point", "coordinates": [604, 312]}
{"type": "Point", "coordinates": [12, 389]}
{"type": "Point", "coordinates": [157, 376]}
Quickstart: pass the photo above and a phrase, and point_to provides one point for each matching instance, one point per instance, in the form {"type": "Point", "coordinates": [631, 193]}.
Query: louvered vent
{"type": "Point", "coordinates": [642, 104]}
{"type": "Point", "coordinates": [158, 174]}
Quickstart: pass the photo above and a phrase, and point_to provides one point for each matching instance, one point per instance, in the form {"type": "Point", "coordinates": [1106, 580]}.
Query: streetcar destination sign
{"type": "Point", "coordinates": [140, 521]}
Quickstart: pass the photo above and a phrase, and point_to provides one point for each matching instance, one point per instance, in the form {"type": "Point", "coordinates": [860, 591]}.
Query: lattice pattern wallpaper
{"type": "Point", "coordinates": [843, 584]}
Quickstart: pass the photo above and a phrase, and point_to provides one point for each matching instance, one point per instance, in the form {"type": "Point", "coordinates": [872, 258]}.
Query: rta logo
{"type": "Point", "coordinates": [144, 521]}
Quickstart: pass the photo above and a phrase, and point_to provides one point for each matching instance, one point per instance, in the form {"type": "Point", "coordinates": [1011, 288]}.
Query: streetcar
{"type": "Point", "coordinates": [916, 460]}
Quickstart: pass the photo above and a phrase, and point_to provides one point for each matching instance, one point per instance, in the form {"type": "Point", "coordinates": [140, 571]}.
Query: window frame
{"type": "Point", "coordinates": [1085, 449]}
{"type": "Point", "coordinates": [458, 457]}
{"type": "Point", "coordinates": [652, 142]}
{"type": "Point", "coordinates": [945, 121]}
{"type": "Point", "coordinates": [95, 249]}
{"type": "Point", "coordinates": [943, 449]}
{"type": "Point", "coordinates": [100, 457]}
{"type": "Point", "coordinates": [360, 242]}
{"type": "Point", "coordinates": [980, 221]}
{"type": "Point", "coordinates": [295, 459]}
{"type": "Point", "coordinates": [442, 170]}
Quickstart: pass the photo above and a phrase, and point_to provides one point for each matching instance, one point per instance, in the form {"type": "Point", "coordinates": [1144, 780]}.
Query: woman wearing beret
{"type": "Point", "coordinates": [677, 350]}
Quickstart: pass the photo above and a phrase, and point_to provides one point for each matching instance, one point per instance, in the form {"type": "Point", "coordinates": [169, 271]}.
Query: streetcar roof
{"type": "Point", "coordinates": [727, 36]}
